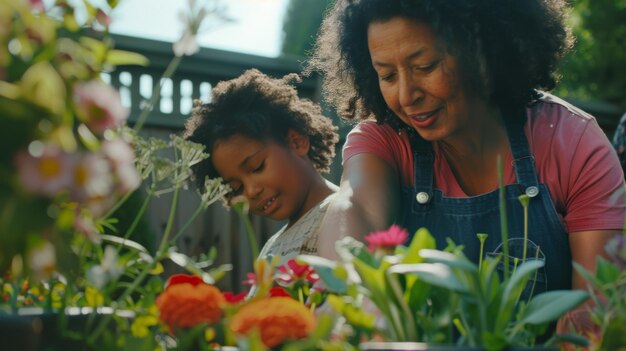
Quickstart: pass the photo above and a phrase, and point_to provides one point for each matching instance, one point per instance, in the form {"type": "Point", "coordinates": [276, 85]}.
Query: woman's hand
{"type": "Point", "coordinates": [367, 200]}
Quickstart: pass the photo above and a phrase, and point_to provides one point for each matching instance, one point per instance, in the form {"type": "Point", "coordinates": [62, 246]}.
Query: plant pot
{"type": "Point", "coordinates": [411, 346]}
{"type": "Point", "coordinates": [418, 346]}
{"type": "Point", "coordinates": [33, 329]}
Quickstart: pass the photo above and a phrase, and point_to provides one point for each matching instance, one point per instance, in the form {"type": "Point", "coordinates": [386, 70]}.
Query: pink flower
{"type": "Point", "coordinates": [294, 272]}
{"type": "Point", "coordinates": [250, 279]}
{"type": "Point", "coordinates": [46, 172]}
{"type": "Point", "coordinates": [98, 105]}
{"type": "Point", "coordinates": [122, 159]}
{"type": "Point", "coordinates": [36, 5]}
{"type": "Point", "coordinates": [92, 182]}
{"type": "Point", "coordinates": [387, 239]}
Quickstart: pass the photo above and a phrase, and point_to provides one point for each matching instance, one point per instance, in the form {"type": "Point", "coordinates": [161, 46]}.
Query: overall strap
{"type": "Point", "coordinates": [523, 160]}
{"type": "Point", "coordinates": [423, 159]}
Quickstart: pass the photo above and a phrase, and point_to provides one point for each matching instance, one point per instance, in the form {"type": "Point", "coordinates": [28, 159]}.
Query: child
{"type": "Point", "coordinates": [269, 146]}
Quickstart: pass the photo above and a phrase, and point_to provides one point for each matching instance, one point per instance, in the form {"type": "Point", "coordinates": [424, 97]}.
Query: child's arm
{"type": "Point", "coordinates": [367, 200]}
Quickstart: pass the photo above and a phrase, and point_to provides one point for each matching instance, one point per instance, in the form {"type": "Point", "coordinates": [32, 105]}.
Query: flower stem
{"type": "Point", "coordinates": [138, 217]}
{"type": "Point", "coordinates": [187, 224]}
{"type": "Point", "coordinates": [156, 92]}
{"type": "Point", "coordinates": [170, 222]}
{"type": "Point", "coordinates": [503, 221]}
{"type": "Point", "coordinates": [254, 247]}
{"type": "Point", "coordinates": [133, 286]}
{"type": "Point", "coordinates": [118, 204]}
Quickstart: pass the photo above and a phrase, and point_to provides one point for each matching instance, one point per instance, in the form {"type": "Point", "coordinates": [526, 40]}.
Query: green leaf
{"type": "Point", "coordinates": [588, 276]}
{"type": "Point", "coordinates": [606, 272]}
{"type": "Point", "coordinates": [186, 262]}
{"type": "Point", "coordinates": [491, 341]}
{"type": "Point", "coordinates": [219, 272]}
{"type": "Point", "coordinates": [551, 305]}
{"type": "Point", "coordinates": [122, 57]}
{"type": "Point", "coordinates": [327, 270]}
{"type": "Point", "coordinates": [421, 240]}
{"type": "Point", "coordinates": [436, 274]}
{"type": "Point", "coordinates": [449, 259]}
{"type": "Point", "coordinates": [513, 291]}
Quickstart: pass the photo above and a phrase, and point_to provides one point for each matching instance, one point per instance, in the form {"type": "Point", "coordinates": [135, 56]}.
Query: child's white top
{"type": "Point", "coordinates": [300, 238]}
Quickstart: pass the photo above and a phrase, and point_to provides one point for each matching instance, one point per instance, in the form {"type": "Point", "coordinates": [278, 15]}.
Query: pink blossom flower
{"type": "Point", "coordinates": [98, 105]}
{"type": "Point", "coordinates": [103, 18]}
{"type": "Point", "coordinates": [122, 158]}
{"type": "Point", "coordinates": [387, 239]}
{"type": "Point", "coordinates": [36, 5]}
{"type": "Point", "coordinates": [250, 279]}
{"type": "Point", "coordinates": [294, 272]}
{"type": "Point", "coordinates": [47, 173]}
{"type": "Point", "coordinates": [91, 177]}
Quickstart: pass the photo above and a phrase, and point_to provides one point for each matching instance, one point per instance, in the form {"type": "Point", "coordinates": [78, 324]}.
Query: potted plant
{"type": "Point", "coordinates": [607, 286]}
{"type": "Point", "coordinates": [435, 300]}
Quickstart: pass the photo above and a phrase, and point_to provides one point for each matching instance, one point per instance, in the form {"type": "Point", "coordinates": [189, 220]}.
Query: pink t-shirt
{"type": "Point", "coordinates": [573, 157]}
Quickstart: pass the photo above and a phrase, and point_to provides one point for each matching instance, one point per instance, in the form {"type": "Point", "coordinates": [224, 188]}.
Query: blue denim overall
{"type": "Point", "coordinates": [462, 218]}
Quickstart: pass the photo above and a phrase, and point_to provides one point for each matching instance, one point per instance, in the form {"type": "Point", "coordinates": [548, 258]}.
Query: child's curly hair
{"type": "Point", "coordinates": [262, 108]}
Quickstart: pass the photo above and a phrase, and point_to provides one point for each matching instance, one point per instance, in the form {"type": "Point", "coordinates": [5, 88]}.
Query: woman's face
{"type": "Point", "coordinates": [274, 178]}
{"type": "Point", "coordinates": [419, 81]}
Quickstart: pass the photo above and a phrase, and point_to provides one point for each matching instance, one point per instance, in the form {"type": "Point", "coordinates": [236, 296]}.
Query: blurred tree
{"type": "Point", "coordinates": [596, 68]}
{"type": "Point", "coordinates": [301, 25]}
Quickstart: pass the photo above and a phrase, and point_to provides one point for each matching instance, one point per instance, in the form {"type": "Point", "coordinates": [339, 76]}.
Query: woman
{"type": "Point", "coordinates": [445, 88]}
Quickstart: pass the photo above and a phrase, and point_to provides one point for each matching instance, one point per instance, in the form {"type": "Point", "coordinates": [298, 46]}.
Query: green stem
{"type": "Point", "coordinates": [170, 222]}
{"type": "Point", "coordinates": [187, 224]}
{"type": "Point", "coordinates": [118, 204]}
{"type": "Point", "coordinates": [254, 247]}
{"type": "Point", "coordinates": [525, 232]}
{"type": "Point", "coordinates": [156, 92]}
{"type": "Point", "coordinates": [411, 329]}
{"type": "Point", "coordinates": [138, 217]}
{"type": "Point", "coordinates": [146, 270]}
{"type": "Point", "coordinates": [503, 220]}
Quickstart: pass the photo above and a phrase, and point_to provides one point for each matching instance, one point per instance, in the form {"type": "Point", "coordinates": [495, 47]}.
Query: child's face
{"type": "Point", "coordinates": [275, 178]}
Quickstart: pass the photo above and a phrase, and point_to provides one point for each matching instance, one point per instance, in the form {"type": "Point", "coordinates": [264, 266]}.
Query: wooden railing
{"type": "Point", "coordinates": [194, 79]}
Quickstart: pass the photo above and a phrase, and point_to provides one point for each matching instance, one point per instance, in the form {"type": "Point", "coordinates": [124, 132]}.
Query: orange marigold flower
{"type": "Point", "coordinates": [277, 319]}
{"type": "Point", "coordinates": [187, 302]}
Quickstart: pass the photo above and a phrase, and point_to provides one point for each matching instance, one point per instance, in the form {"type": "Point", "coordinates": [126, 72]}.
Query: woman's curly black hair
{"type": "Point", "coordinates": [262, 108]}
{"type": "Point", "coordinates": [507, 49]}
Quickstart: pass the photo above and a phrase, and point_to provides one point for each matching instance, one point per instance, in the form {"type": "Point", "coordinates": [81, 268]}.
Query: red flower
{"type": "Point", "coordinates": [233, 299]}
{"type": "Point", "coordinates": [278, 291]}
{"type": "Point", "coordinates": [188, 301]}
{"type": "Point", "coordinates": [387, 239]}
{"type": "Point", "coordinates": [294, 272]}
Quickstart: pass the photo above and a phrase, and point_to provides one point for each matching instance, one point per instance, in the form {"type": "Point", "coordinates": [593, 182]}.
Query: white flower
{"type": "Point", "coordinates": [193, 19]}
{"type": "Point", "coordinates": [108, 270]}
{"type": "Point", "coordinates": [42, 261]}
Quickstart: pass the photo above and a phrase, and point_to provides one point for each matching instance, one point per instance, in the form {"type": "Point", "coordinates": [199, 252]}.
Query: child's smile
{"type": "Point", "coordinates": [274, 178]}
